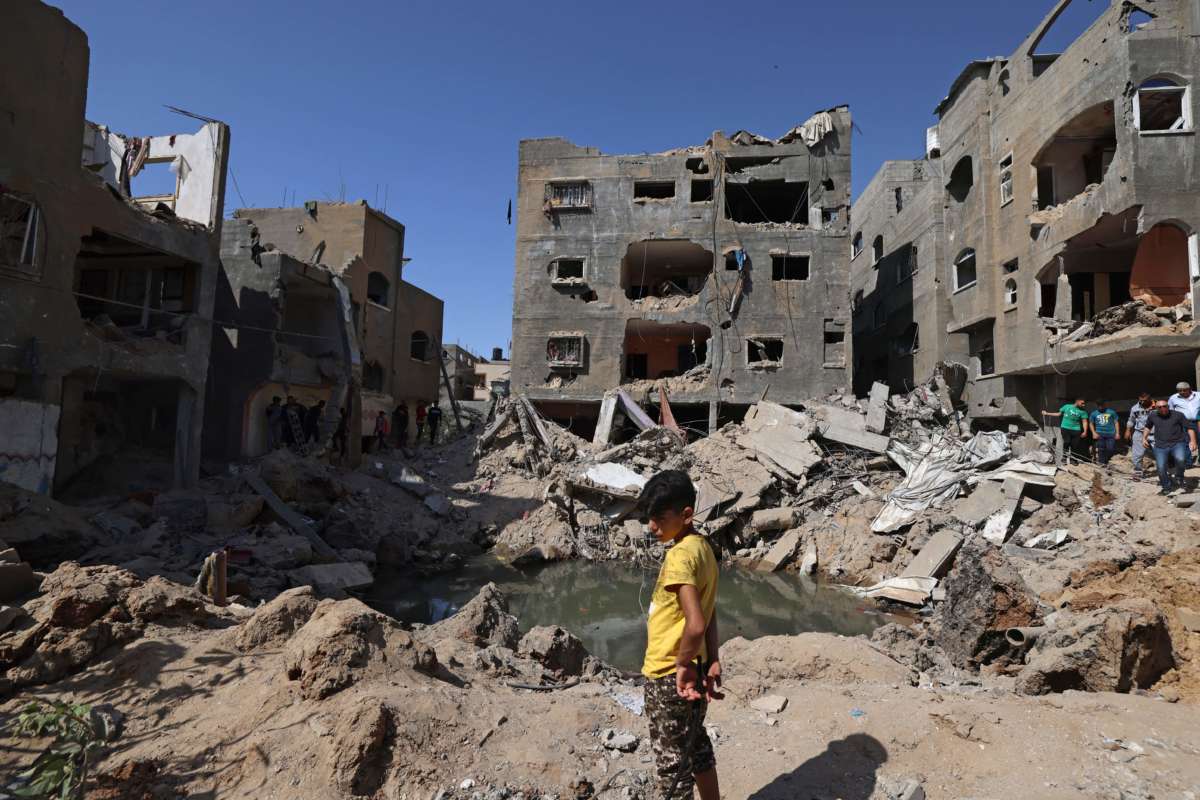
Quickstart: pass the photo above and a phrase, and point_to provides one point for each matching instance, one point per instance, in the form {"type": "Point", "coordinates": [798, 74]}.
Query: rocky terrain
{"type": "Point", "coordinates": [1052, 653]}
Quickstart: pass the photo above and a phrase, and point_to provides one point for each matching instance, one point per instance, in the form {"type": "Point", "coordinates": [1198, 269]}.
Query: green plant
{"type": "Point", "coordinates": [61, 770]}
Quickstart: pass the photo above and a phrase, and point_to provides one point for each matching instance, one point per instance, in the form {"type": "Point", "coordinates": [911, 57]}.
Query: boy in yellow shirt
{"type": "Point", "coordinates": [681, 629]}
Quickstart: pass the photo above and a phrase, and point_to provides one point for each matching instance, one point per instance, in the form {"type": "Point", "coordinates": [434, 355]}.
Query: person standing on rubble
{"type": "Point", "coordinates": [1186, 402]}
{"type": "Point", "coordinates": [400, 424]}
{"type": "Point", "coordinates": [1106, 429]}
{"type": "Point", "coordinates": [339, 434]}
{"type": "Point", "coordinates": [312, 422]}
{"type": "Point", "coordinates": [275, 423]}
{"type": "Point", "coordinates": [1173, 433]}
{"type": "Point", "coordinates": [1074, 427]}
{"type": "Point", "coordinates": [434, 418]}
{"type": "Point", "coordinates": [1134, 427]}
{"type": "Point", "coordinates": [421, 414]}
{"type": "Point", "coordinates": [681, 630]}
{"type": "Point", "coordinates": [381, 431]}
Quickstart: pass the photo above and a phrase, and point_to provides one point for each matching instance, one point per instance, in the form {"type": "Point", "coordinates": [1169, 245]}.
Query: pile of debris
{"type": "Point", "coordinates": [1133, 314]}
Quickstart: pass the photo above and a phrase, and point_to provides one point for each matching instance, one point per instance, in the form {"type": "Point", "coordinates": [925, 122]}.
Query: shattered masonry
{"type": "Point", "coordinates": [719, 268]}
{"type": "Point", "coordinates": [1048, 239]}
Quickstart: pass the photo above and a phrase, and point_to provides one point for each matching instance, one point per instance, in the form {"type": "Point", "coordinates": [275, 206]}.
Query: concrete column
{"type": "Point", "coordinates": [714, 406]}
{"type": "Point", "coordinates": [1062, 296]}
{"type": "Point", "coordinates": [187, 440]}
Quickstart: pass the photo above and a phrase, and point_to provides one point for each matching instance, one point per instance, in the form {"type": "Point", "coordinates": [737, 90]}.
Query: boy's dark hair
{"type": "Point", "coordinates": [669, 490]}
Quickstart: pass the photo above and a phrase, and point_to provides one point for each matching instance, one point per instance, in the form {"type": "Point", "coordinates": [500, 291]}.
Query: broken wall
{"type": "Point", "coordinates": [43, 335]}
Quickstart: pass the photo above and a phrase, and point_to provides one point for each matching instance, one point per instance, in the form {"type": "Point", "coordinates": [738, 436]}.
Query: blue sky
{"type": "Point", "coordinates": [427, 101]}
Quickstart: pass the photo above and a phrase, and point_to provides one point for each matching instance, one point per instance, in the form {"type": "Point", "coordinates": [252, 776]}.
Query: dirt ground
{"type": "Point", "coordinates": [205, 720]}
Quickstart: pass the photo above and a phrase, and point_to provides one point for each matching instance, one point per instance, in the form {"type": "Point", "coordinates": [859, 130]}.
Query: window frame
{"type": "Point", "coordinates": [876, 257]}
{"type": "Point", "coordinates": [555, 187]}
{"type": "Point", "coordinates": [954, 267]}
{"type": "Point", "coordinates": [1012, 295]}
{"type": "Point", "coordinates": [856, 245]}
{"type": "Point", "coordinates": [1184, 88]}
{"type": "Point", "coordinates": [764, 363]}
{"type": "Point", "coordinates": [562, 363]}
{"type": "Point", "coordinates": [33, 242]}
{"type": "Point", "coordinates": [558, 280]}
{"type": "Point", "coordinates": [1006, 184]}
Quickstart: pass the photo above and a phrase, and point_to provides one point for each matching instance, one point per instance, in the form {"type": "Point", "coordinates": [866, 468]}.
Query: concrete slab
{"type": "Point", "coordinates": [17, 581]}
{"type": "Point", "coordinates": [877, 407]}
{"type": "Point", "coordinates": [333, 579]}
{"type": "Point", "coordinates": [935, 557]}
{"type": "Point", "coordinates": [782, 552]}
{"type": "Point", "coordinates": [782, 436]}
{"type": "Point", "coordinates": [983, 502]}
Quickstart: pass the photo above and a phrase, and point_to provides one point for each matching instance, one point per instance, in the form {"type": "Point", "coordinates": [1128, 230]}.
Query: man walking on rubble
{"type": "Point", "coordinates": [340, 434]}
{"type": "Point", "coordinates": [381, 431]}
{"type": "Point", "coordinates": [1074, 427]}
{"type": "Point", "coordinates": [421, 414]}
{"type": "Point", "coordinates": [681, 630]}
{"type": "Point", "coordinates": [1186, 402]}
{"type": "Point", "coordinates": [1106, 429]}
{"type": "Point", "coordinates": [434, 417]}
{"type": "Point", "coordinates": [1173, 433]}
{"type": "Point", "coordinates": [1135, 426]}
{"type": "Point", "coordinates": [312, 422]}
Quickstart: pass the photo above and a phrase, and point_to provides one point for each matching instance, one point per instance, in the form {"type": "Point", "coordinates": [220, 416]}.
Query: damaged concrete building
{"type": "Point", "coordinates": [721, 269]}
{"type": "Point", "coordinates": [108, 266]}
{"type": "Point", "coordinates": [1048, 239]}
{"type": "Point", "coordinates": [322, 312]}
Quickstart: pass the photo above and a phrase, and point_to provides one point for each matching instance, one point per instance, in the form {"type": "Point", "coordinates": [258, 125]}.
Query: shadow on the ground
{"type": "Point", "coordinates": [847, 770]}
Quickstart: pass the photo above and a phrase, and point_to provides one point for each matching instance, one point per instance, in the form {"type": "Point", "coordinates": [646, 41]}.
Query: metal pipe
{"type": "Point", "coordinates": [1023, 637]}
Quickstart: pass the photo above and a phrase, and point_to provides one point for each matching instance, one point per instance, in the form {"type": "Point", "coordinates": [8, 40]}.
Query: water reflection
{"type": "Point", "coordinates": [605, 604]}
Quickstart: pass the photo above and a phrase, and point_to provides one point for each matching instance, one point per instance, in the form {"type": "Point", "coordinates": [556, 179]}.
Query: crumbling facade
{"type": "Point", "coordinates": [462, 371]}
{"type": "Point", "coordinates": [299, 272]}
{"type": "Point", "coordinates": [108, 270]}
{"type": "Point", "coordinates": [1048, 240]}
{"type": "Point", "coordinates": [720, 269]}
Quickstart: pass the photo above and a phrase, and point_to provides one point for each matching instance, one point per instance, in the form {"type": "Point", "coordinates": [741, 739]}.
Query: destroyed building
{"type": "Point", "coordinates": [1048, 239]}
{"type": "Point", "coordinates": [462, 371]}
{"type": "Point", "coordinates": [108, 270]}
{"type": "Point", "coordinates": [720, 269]}
{"type": "Point", "coordinates": [321, 289]}
{"type": "Point", "coordinates": [493, 374]}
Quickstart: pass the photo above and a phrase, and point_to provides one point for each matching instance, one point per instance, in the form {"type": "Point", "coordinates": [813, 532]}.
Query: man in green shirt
{"type": "Point", "coordinates": [1074, 428]}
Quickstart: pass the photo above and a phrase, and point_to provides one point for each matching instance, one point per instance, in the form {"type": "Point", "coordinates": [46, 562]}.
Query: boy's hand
{"type": "Point", "coordinates": [712, 682]}
{"type": "Point", "coordinates": [687, 682]}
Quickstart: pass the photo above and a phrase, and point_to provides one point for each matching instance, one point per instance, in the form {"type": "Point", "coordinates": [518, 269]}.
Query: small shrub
{"type": "Point", "coordinates": [61, 771]}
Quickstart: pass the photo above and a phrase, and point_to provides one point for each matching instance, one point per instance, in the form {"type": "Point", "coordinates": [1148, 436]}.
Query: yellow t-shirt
{"type": "Point", "coordinates": [689, 561]}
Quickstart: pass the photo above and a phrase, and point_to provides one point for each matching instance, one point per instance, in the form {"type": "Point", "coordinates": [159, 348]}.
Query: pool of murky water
{"type": "Point", "coordinates": [605, 603]}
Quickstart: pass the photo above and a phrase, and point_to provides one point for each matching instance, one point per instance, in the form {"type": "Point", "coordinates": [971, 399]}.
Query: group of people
{"type": "Point", "coordinates": [1164, 428]}
{"type": "Point", "coordinates": [283, 420]}
{"type": "Point", "coordinates": [426, 417]}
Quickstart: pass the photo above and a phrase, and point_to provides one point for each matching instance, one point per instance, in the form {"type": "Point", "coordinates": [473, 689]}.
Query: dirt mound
{"type": "Point", "coordinates": [276, 621]}
{"type": "Point", "coordinates": [482, 622]}
{"type": "Point", "coordinates": [44, 530]}
{"type": "Point", "coordinates": [345, 642]}
{"type": "Point", "coordinates": [1113, 649]}
{"type": "Point", "coordinates": [555, 648]}
{"type": "Point", "coordinates": [81, 612]}
{"type": "Point", "coordinates": [810, 657]}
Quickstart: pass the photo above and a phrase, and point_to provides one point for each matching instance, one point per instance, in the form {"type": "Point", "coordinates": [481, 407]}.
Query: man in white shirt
{"type": "Point", "coordinates": [1186, 402]}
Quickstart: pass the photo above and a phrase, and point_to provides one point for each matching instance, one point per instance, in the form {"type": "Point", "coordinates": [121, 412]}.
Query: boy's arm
{"type": "Point", "coordinates": [712, 678]}
{"type": "Point", "coordinates": [694, 630]}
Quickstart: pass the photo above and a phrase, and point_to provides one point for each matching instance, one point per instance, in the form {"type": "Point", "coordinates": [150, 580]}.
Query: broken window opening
{"type": "Point", "coordinates": [157, 181]}
{"type": "Point", "coordinates": [741, 164]}
{"type": "Point", "coordinates": [1010, 292]}
{"type": "Point", "coordinates": [1004, 80]}
{"type": "Point", "coordinates": [702, 191]}
{"type": "Point", "coordinates": [697, 166]}
{"type": "Point", "coordinates": [1062, 30]}
{"type": "Point", "coordinates": [736, 260]}
{"type": "Point", "coordinates": [834, 354]}
{"type": "Point", "coordinates": [899, 199]}
{"type": "Point", "coordinates": [877, 251]}
{"type": "Point", "coordinates": [128, 288]}
{"type": "Point", "coordinates": [909, 340]}
{"type": "Point", "coordinates": [565, 351]}
{"type": "Point", "coordinates": [830, 215]}
{"type": "Point", "coordinates": [379, 289]}
{"type": "Point", "coordinates": [776, 201]}
{"type": "Point", "coordinates": [1162, 106]}
{"type": "Point", "coordinates": [1011, 266]}
{"type": "Point", "coordinates": [1077, 156]}
{"type": "Point", "coordinates": [568, 196]}
{"type": "Point", "coordinates": [654, 350]}
{"type": "Point", "coordinates": [981, 350]}
{"type": "Point", "coordinates": [372, 376]}
{"type": "Point", "coordinates": [764, 352]}
{"type": "Point", "coordinates": [1136, 19]}
{"type": "Point", "coordinates": [964, 269]}
{"type": "Point", "coordinates": [1006, 180]}
{"type": "Point", "coordinates": [789, 267]}
{"type": "Point", "coordinates": [22, 234]}
{"type": "Point", "coordinates": [567, 270]}
{"type": "Point", "coordinates": [664, 268]}
{"type": "Point", "coordinates": [653, 190]}
{"type": "Point", "coordinates": [856, 245]}
{"type": "Point", "coordinates": [418, 346]}
{"type": "Point", "coordinates": [906, 265]}
{"type": "Point", "coordinates": [962, 178]}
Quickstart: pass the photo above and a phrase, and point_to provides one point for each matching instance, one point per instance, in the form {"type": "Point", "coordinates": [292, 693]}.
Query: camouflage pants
{"type": "Point", "coordinates": [674, 723]}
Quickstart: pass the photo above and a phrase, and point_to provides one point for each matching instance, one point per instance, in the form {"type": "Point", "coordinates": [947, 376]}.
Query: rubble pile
{"type": "Point", "coordinates": [1135, 314]}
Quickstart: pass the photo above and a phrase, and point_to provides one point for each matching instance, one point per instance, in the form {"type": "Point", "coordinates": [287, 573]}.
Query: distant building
{"type": "Point", "coordinates": [461, 370]}
{"type": "Point", "coordinates": [282, 269]}
{"type": "Point", "coordinates": [721, 269]}
{"type": "Point", "coordinates": [492, 375]}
